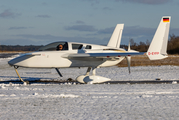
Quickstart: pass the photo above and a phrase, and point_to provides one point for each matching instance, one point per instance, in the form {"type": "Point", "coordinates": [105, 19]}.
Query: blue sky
{"type": "Point", "coordinates": [39, 22]}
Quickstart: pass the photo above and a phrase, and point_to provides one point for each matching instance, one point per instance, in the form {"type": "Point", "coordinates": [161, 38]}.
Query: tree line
{"type": "Point", "coordinates": [4, 48]}
{"type": "Point", "coordinates": [172, 48]}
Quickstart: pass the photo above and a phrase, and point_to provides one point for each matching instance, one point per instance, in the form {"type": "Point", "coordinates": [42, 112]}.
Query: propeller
{"type": "Point", "coordinates": [128, 58]}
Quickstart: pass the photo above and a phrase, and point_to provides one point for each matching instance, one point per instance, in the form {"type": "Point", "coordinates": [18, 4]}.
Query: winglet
{"type": "Point", "coordinates": [158, 47]}
{"type": "Point", "coordinates": [115, 40]}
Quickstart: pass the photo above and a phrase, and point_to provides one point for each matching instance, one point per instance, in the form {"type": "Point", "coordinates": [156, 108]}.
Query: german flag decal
{"type": "Point", "coordinates": [166, 20]}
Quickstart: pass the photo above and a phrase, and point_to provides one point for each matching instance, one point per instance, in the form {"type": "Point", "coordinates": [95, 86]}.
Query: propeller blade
{"type": "Point", "coordinates": [128, 58]}
{"type": "Point", "coordinates": [129, 47]}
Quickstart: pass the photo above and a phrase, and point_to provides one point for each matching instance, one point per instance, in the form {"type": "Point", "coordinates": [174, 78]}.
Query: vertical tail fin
{"type": "Point", "coordinates": [115, 40]}
{"type": "Point", "coordinates": [158, 47]}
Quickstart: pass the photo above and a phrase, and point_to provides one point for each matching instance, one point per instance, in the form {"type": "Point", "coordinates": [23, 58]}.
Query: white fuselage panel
{"type": "Point", "coordinates": [54, 59]}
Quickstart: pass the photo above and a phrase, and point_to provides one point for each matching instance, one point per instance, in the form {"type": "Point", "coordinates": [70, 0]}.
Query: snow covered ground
{"type": "Point", "coordinates": [84, 101]}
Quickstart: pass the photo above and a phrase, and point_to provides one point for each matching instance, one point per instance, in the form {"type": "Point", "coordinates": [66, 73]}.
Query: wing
{"type": "Point", "coordinates": [102, 55]}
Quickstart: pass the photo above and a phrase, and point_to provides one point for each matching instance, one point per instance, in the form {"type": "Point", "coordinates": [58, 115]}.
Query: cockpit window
{"type": "Point", "coordinates": [77, 46]}
{"type": "Point", "coordinates": [88, 47]}
{"type": "Point", "coordinates": [55, 46]}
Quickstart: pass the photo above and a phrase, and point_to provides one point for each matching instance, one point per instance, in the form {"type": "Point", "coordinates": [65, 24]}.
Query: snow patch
{"type": "Point", "coordinates": [97, 101]}
{"type": "Point", "coordinates": [35, 94]}
{"type": "Point", "coordinates": [12, 95]}
{"type": "Point", "coordinates": [55, 96]}
{"type": "Point", "coordinates": [174, 82]}
{"type": "Point", "coordinates": [65, 96]}
{"type": "Point", "coordinates": [146, 96]}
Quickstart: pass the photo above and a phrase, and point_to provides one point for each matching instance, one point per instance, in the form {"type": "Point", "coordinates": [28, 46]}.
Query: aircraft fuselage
{"type": "Point", "coordinates": [55, 59]}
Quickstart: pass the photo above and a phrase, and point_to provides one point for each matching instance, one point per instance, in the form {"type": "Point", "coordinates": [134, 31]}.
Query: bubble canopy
{"type": "Point", "coordinates": [55, 46]}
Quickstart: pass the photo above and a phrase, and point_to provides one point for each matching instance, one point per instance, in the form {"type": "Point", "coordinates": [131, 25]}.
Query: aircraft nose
{"type": "Point", "coordinates": [11, 62]}
{"type": "Point", "coordinates": [20, 61]}
{"type": "Point", "coordinates": [16, 61]}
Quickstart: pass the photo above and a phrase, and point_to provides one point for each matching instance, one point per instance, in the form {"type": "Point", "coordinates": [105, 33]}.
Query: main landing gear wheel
{"type": "Point", "coordinates": [91, 78]}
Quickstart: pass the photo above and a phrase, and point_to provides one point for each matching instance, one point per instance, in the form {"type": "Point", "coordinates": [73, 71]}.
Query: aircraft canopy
{"type": "Point", "coordinates": [55, 46]}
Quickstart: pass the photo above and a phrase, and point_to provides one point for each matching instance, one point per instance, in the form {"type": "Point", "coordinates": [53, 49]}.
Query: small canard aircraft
{"type": "Point", "coordinates": [71, 54]}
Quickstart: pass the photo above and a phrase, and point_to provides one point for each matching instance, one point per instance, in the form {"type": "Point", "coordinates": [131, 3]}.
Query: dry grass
{"type": "Point", "coordinates": [144, 61]}
{"type": "Point", "coordinates": [14, 51]}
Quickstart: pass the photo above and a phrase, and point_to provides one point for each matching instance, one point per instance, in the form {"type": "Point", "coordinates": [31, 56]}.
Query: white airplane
{"type": "Point", "coordinates": [71, 54]}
